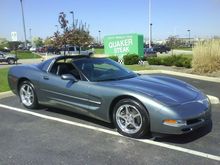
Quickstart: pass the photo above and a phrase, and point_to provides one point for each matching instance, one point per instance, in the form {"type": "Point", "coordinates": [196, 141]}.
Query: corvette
{"type": "Point", "coordinates": [105, 90]}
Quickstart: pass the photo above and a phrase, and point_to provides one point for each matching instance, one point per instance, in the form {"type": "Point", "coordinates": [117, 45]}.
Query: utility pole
{"type": "Point", "coordinates": [22, 11]}
{"type": "Point", "coordinates": [73, 19]}
{"type": "Point", "coordinates": [189, 36]}
{"type": "Point", "coordinates": [30, 36]}
{"type": "Point", "coordinates": [100, 37]}
{"type": "Point", "coordinates": [150, 24]}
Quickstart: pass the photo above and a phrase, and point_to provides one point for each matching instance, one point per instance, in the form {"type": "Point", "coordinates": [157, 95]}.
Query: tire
{"type": "Point", "coordinates": [11, 61]}
{"type": "Point", "coordinates": [28, 95]}
{"type": "Point", "coordinates": [131, 118]}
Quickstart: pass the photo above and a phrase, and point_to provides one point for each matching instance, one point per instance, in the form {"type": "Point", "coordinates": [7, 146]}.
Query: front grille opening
{"type": "Point", "coordinates": [193, 121]}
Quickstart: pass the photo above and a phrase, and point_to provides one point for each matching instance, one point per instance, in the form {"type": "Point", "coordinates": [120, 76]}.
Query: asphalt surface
{"type": "Point", "coordinates": [27, 139]}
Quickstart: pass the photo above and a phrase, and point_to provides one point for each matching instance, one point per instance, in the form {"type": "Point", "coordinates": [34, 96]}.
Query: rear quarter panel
{"type": "Point", "coordinates": [22, 72]}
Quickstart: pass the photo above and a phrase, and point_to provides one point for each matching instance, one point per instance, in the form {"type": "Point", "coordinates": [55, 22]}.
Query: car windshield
{"type": "Point", "coordinates": [103, 69]}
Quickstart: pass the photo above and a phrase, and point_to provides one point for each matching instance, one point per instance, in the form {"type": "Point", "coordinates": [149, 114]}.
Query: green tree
{"type": "Point", "coordinates": [49, 41]}
{"type": "Point", "coordinates": [38, 42]}
{"type": "Point", "coordinates": [3, 43]}
{"type": "Point", "coordinates": [79, 37]}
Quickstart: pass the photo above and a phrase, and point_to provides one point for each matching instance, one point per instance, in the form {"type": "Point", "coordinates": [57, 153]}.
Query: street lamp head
{"type": "Point", "coordinates": [71, 12]}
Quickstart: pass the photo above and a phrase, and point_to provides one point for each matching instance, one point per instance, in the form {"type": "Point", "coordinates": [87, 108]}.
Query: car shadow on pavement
{"type": "Point", "coordinates": [186, 138]}
{"type": "Point", "coordinates": [81, 117]}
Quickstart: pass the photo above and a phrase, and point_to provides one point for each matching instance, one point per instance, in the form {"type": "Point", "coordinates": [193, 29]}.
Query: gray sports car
{"type": "Point", "coordinates": [104, 89]}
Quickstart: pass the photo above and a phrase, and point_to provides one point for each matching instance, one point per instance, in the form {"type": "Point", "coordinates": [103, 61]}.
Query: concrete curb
{"type": "Point", "coordinates": [204, 78]}
{"type": "Point", "coordinates": [6, 94]}
{"type": "Point", "coordinates": [213, 99]}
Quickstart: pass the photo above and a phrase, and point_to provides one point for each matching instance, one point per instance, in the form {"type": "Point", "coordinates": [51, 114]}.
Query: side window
{"type": "Point", "coordinates": [71, 49]}
{"type": "Point", "coordinates": [77, 48]}
{"type": "Point", "coordinates": [61, 67]}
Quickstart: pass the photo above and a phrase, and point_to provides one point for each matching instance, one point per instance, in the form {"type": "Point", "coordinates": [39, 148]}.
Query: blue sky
{"type": "Point", "coordinates": [169, 17]}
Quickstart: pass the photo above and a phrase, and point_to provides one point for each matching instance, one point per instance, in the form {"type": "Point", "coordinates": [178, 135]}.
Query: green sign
{"type": "Point", "coordinates": [121, 45]}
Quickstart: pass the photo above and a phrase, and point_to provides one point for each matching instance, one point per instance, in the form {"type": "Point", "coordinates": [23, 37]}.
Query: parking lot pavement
{"type": "Point", "coordinates": [23, 136]}
{"type": "Point", "coordinates": [29, 139]}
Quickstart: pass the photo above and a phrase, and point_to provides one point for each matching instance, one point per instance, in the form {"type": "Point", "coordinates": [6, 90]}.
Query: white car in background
{"type": "Point", "coordinates": [76, 50]}
{"type": "Point", "coordinates": [33, 49]}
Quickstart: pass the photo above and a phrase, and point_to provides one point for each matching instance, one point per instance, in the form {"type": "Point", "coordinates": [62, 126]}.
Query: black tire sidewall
{"type": "Point", "coordinates": [145, 128]}
{"type": "Point", "coordinates": [35, 103]}
{"type": "Point", "coordinates": [11, 61]}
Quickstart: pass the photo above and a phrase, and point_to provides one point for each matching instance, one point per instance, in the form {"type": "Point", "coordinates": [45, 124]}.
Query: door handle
{"type": "Point", "coordinates": [45, 77]}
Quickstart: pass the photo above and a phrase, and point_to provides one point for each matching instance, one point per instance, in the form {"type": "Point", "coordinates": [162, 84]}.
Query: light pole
{"type": "Point", "coordinates": [73, 19]}
{"type": "Point", "coordinates": [189, 36]}
{"type": "Point", "coordinates": [99, 36]}
{"type": "Point", "coordinates": [30, 36]}
{"type": "Point", "coordinates": [150, 24]}
{"type": "Point", "coordinates": [22, 11]}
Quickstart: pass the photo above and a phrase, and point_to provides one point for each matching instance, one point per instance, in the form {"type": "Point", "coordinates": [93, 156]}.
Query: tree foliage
{"type": "Point", "coordinates": [173, 42]}
{"type": "Point", "coordinates": [38, 42]}
{"type": "Point", "coordinates": [78, 35]}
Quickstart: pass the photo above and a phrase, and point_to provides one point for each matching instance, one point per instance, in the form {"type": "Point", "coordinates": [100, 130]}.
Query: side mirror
{"type": "Point", "coordinates": [68, 77]}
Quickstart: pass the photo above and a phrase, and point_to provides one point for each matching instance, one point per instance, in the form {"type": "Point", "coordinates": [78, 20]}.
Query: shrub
{"type": "Point", "coordinates": [114, 58]}
{"type": "Point", "coordinates": [154, 61]}
{"type": "Point", "coordinates": [131, 59]}
{"type": "Point", "coordinates": [183, 62]}
{"type": "Point", "coordinates": [206, 56]}
{"type": "Point", "coordinates": [179, 61]}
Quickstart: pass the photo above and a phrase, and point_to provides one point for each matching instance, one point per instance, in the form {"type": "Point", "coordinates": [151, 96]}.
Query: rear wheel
{"type": "Point", "coordinates": [131, 118]}
{"type": "Point", "coordinates": [11, 61]}
{"type": "Point", "coordinates": [27, 95]}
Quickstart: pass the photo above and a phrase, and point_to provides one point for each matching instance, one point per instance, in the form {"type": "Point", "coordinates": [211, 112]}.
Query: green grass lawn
{"type": "Point", "coordinates": [187, 49]}
{"type": "Point", "coordinates": [26, 55]}
{"type": "Point", "coordinates": [99, 51]}
{"type": "Point", "coordinates": [4, 80]}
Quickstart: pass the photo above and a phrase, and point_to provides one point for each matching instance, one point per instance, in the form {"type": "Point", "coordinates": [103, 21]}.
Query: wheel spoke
{"type": "Point", "coordinates": [136, 115]}
{"type": "Point", "coordinates": [127, 110]}
{"type": "Point", "coordinates": [122, 116]}
{"type": "Point", "coordinates": [135, 125]}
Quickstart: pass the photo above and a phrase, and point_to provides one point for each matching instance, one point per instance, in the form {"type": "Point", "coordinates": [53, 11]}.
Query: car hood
{"type": "Point", "coordinates": [167, 90]}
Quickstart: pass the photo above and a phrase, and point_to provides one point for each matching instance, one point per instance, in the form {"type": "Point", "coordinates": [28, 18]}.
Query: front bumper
{"type": "Point", "coordinates": [195, 114]}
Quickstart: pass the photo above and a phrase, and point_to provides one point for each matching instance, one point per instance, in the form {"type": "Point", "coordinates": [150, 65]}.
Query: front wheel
{"type": "Point", "coordinates": [131, 118]}
{"type": "Point", "coordinates": [27, 95]}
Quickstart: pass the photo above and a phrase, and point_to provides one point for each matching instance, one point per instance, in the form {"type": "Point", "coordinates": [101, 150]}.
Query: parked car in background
{"type": "Point", "coordinates": [9, 58]}
{"type": "Point", "coordinates": [150, 52]}
{"type": "Point", "coordinates": [76, 50]}
{"type": "Point", "coordinates": [33, 49]}
{"type": "Point", "coordinates": [161, 49]}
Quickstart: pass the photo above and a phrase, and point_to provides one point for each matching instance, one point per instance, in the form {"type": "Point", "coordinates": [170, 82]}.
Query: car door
{"type": "Point", "coordinates": [64, 94]}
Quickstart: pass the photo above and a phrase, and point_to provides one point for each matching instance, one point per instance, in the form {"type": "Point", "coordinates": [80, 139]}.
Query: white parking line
{"type": "Point", "coordinates": [172, 147]}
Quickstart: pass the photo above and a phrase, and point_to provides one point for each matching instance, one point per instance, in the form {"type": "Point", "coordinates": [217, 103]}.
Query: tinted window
{"type": "Point", "coordinates": [99, 69]}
